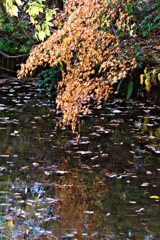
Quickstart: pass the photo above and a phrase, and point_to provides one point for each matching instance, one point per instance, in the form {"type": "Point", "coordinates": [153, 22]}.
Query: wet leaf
{"type": "Point", "coordinates": [140, 210]}
{"type": "Point", "coordinates": [89, 212]}
{"type": "Point", "coordinates": [155, 197]}
{"type": "Point", "coordinates": [61, 172]}
{"type": "Point", "coordinates": [144, 184]}
{"type": "Point", "coordinates": [24, 168]}
{"type": "Point", "coordinates": [35, 164]}
{"type": "Point", "coordinates": [84, 152]}
{"type": "Point", "coordinates": [95, 157]}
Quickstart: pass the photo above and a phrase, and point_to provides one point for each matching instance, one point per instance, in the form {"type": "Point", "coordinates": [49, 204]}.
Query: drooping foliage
{"type": "Point", "coordinates": [94, 57]}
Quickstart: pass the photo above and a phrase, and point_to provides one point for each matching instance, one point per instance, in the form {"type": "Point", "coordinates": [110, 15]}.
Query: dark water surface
{"type": "Point", "coordinates": [106, 186]}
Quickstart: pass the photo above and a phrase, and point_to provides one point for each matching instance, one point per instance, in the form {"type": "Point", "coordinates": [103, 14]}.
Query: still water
{"type": "Point", "coordinates": [106, 186]}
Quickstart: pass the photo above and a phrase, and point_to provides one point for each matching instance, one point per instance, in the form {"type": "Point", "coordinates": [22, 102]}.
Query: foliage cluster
{"type": "Point", "coordinates": [99, 44]}
{"type": "Point", "coordinates": [151, 19]}
{"type": "Point", "coordinates": [40, 15]}
{"type": "Point", "coordinates": [94, 56]}
{"type": "Point", "coordinates": [150, 77]}
{"type": "Point", "coordinates": [88, 45]}
{"type": "Point", "coordinates": [11, 40]}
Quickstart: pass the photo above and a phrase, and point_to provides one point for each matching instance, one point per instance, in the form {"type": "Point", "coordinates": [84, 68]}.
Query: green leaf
{"type": "Point", "coordinates": [18, 2]}
{"type": "Point", "coordinates": [10, 3]}
{"type": "Point", "coordinates": [32, 19]}
{"type": "Point", "coordinates": [15, 10]}
{"type": "Point", "coordinates": [130, 89]}
{"type": "Point", "coordinates": [50, 24]}
{"type": "Point", "coordinates": [119, 84]}
{"type": "Point", "coordinates": [47, 32]}
{"type": "Point", "coordinates": [41, 35]}
{"type": "Point", "coordinates": [38, 27]}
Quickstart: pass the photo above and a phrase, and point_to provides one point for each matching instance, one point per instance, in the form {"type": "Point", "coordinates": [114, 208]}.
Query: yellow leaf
{"type": "Point", "coordinates": [145, 70]}
{"type": "Point", "coordinates": [41, 35]}
{"type": "Point", "coordinates": [153, 81]}
{"type": "Point", "coordinates": [10, 223]}
{"type": "Point", "coordinates": [159, 76]}
{"type": "Point", "coordinates": [15, 10]}
{"type": "Point", "coordinates": [18, 2]}
{"type": "Point", "coordinates": [141, 78]}
{"type": "Point", "coordinates": [155, 197]}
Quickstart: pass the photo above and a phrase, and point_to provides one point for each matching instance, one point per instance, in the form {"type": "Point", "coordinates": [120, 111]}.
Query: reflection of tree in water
{"type": "Point", "coordinates": [80, 205]}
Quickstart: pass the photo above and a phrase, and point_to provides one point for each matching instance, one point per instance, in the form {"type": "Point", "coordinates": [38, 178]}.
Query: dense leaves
{"type": "Point", "coordinates": [89, 47]}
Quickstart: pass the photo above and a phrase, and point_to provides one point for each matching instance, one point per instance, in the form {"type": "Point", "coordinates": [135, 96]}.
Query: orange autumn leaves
{"type": "Point", "coordinates": [89, 48]}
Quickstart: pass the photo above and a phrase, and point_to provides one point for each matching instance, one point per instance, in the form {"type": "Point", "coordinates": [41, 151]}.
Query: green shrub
{"type": "Point", "coordinates": [51, 75]}
{"type": "Point", "coordinates": [10, 38]}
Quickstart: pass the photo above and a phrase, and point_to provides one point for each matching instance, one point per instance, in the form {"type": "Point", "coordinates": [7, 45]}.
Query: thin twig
{"type": "Point", "coordinates": [7, 56]}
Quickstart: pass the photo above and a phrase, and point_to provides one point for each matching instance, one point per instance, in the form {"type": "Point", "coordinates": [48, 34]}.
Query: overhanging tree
{"type": "Point", "coordinates": [93, 55]}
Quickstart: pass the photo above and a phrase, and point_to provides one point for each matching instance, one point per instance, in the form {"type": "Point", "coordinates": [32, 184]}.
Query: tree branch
{"type": "Point", "coordinates": [7, 56]}
{"type": "Point", "coordinates": [7, 69]}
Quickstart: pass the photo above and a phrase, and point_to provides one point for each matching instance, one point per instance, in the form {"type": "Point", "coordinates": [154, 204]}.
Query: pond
{"type": "Point", "coordinates": [106, 186]}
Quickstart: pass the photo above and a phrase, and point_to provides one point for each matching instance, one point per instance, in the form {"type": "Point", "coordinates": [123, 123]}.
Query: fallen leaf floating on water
{"type": "Point", "coordinates": [132, 202]}
{"type": "Point", "coordinates": [97, 165]}
{"type": "Point", "coordinates": [47, 173]}
{"type": "Point", "coordinates": [84, 142]}
{"type": "Point", "coordinates": [35, 164]}
{"type": "Point", "coordinates": [5, 204]}
{"type": "Point", "coordinates": [111, 175]}
{"type": "Point", "coordinates": [94, 157]}
{"type": "Point", "coordinates": [84, 166]}
{"type": "Point", "coordinates": [61, 172]}
{"type": "Point", "coordinates": [9, 217]}
{"type": "Point", "coordinates": [95, 134]}
{"type": "Point", "coordinates": [144, 184]}
{"type": "Point", "coordinates": [104, 155]}
{"type": "Point", "coordinates": [51, 200]}
{"type": "Point", "coordinates": [155, 197]}
{"type": "Point", "coordinates": [2, 168]}
{"type": "Point", "coordinates": [89, 212]}
{"type": "Point", "coordinates": [24, 168]}
{"type": "Point", "coordinates": [116, 111]}
{"type": "Point", "coordinates": [84, 152]}
{"type": "Point", "coordinates": [140, 210]}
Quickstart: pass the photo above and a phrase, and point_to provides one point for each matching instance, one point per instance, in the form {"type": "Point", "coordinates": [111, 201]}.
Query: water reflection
{"type": "Point", "coordinates": [106, 186]}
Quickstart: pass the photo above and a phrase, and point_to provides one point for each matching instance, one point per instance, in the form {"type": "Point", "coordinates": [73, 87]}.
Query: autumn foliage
{"type": "Point", "coordinates": [87, 44]}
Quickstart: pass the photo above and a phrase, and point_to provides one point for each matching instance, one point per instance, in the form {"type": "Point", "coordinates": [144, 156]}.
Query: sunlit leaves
{"type": "Point", "coordinates": [150, 77]}
{"type": "Point", "coordinates": [91, 54]}
{"type": "Point", "coordinates": [12, 8]}
{"type": "Point", "coordinates": [36, 10]}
